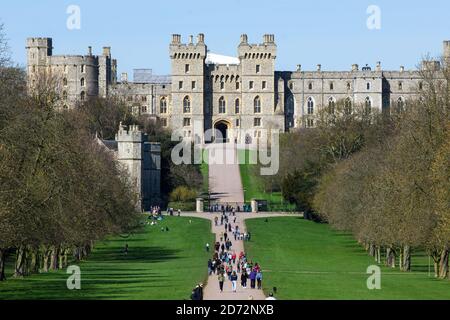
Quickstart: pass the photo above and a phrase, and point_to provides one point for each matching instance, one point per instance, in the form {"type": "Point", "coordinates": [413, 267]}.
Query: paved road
{"type": "Point", "coordinates": [211, 291]}
{"type": "Point", "coordinates": [224, 176]}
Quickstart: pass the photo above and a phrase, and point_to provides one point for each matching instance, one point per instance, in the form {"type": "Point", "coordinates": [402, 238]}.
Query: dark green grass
{"type": "Point", "coordinates": [305, 260]}
{"type": "Point", "coordinates": [254, 186]}
{"type": "Point", "coordinates": [159, 266]}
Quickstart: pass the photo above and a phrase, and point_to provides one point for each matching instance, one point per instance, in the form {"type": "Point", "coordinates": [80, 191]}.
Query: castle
{"type": "Point", "coordinates": [227, 93]}
{"type": "Point", "coordinates": [141, 160]}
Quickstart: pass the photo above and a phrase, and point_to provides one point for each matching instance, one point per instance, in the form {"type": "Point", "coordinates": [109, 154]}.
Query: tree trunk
{"type": "Point", "coordinates": [378, 254]}
{"type": "Point", "coordinates": [406, 258]}
{"type": "Point", "coordinates": [34, 260]}
{"type": "Point", "coordinates": [443, 266]}
{"type": "Point", "coordinates": [21, 260]}
{"type": "Point", "coordinates": [372, 250]}
{"type": "Point", "coordinates": [54, 258]}
{"type": "Point", "coordinates": [46, 258]}
{"type": "Point", "coordinates": [2, 264]}
{"type": "Point", "coordinates": [66, 253]}
{"type": "Point", "coordinates": [390, 257]}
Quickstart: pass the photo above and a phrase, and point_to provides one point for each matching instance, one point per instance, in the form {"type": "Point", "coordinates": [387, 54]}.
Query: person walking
{"type": "Point", "coordinates": [210, 266]}
{"type": "Point", "coordinates": [207, 247]}
{"type": "Point", "coordinates": [259, 278]}
{"type": "Point", "coordinates": [253, 279]}
{"type": "Point", "coordinates": [244, 277]}
{"type": "Point", "coordinates": [221, 279]}
{"type": "Point", "coordinates": [234, 279]}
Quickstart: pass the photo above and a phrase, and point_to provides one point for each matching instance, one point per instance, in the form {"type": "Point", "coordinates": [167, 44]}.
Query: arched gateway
{"type": "Point", "coordinates": [222, 131]}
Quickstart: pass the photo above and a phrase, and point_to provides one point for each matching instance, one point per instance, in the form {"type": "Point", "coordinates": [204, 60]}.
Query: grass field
{"type": "Point", "coordinates": [305, 260]}
{"type": "Point", "coordinates": [254, 187]}
{"type": "Point", "coordinates": [159, 265]}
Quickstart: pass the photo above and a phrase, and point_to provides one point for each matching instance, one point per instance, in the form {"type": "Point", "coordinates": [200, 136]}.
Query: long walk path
{"type": "Point", "coordinates": [226, 188]}
{"type": "Point", "coordinates": [211, 291]}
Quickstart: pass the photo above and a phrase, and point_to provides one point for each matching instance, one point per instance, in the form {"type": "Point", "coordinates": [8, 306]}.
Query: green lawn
{"type": "Point", "coordinates": [254, 186]}
{"type": "Point", "coordinates": [159, 265]}
{"type": "Point", "coordinates": [204, 169]}
{"type": "Point", "coordinates": [305, 260]}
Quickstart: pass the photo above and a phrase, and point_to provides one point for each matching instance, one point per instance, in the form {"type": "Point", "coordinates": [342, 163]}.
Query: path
{"type": "Point", "coordinates": [211, 291]}
{"type": "Point", "coordinates": [224, 176]}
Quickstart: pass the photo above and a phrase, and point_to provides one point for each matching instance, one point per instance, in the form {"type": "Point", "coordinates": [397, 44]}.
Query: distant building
{"type": "Point", "coordinates": [142, 161]}
{"type": "Point", "coordinates": [228, 93]}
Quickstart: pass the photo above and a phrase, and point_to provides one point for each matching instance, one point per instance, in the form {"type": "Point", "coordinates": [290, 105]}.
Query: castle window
{"type": "Point", "coordinates": [264, 85]}
{"type": "Point", "coordinates": [34, 68]}
{"type": "Point", "coordinates": [83, 96]}
{"type": "Point", "coordinates": [331, 105]}
{"type": "Point", "coordinates": [291, 86]}
{"type": "Point", "coordinates": [180, 85]}
{"type": "Point", "coordinates": [163, 105]}
{"type": "Point", "coordinates": [194, 85]}
{"type": "Point", "coordinates": [258, 68]}
{"type": "Point", "coordinates": [83, 70]}
{"type": "Point", "coordinates": [250, 85]}
{"type": "Point", "coordinates": [163, 122]}
{"type": "Point", "coordinates": [82, 82]}
{"type": "Point", "coordinates": [144, 109]}
{"type": "Point", "coordinates": [368, 85]}
{"type": "Point", "coordinates": [400, 86]}
{"type": "Point", "coordinates": [348, 106]}
{"type": "Point", "coordinates": [420, 86]}
{"type": "Point", "coordinates": [238, 122]}
{"type": "Point", "coordinates": [400, 104]}
{"type": "Point", "coordinates": [238, 85]}
{"type": "Point", "coordinates": [130, 98]}
{"type": "Point", "coordinates": [222, 85]}
{"type": "Point", "coordinates": [222, 105]}
{"type": "Point", "coordinates": [187, 68]}
{"type": "Point", "coordinates": [257, 122]}
{"type": "Point", "coordinates": [64, 95]}
{"type": "Point", "coordinates": [349, 86]}
{"type": "Point", "coordinates": [237, 106]}
{"type": "Point", "coordinates": [310, 123]}
{"type": "Point", "coordinates": [310, 105]}
{"type": "Point", "coordinates": [65, 82]}
{"type": "Point", "coordinates": [331, 86]}
{"type": "Point", "coordinates": [257, 105]}
{"type": "Point", "coordinates": [186, 105]}
{"type": "Point", "coordinates": [187, 122]}
{"type": "Point", "coordinates": [310, 86]}
{"type": "Point", "coordinates": [368, 105]}
{"type": "Point", "coordinates": [144, 98]}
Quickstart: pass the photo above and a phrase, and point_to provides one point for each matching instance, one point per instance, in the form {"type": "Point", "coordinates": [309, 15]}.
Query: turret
{"type": "Point", "coordinates": [447, 52]}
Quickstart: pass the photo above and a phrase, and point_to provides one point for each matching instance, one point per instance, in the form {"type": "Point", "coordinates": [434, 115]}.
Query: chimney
{"type": "Point", "coordinates": [378, 68]}
{"type": "Point", "coordinates": [107, 51]}
{"type": "Point", "coordinates": [355, 67]}
{"type": "Point", "coordinates": [191, 39]}
{"type": "Point", "coordinates": [402, 69]}
{"type": "Point", "coordinates": [447, 52]}
{"type": "Point", "coordinates": [268, 38]}
{"type": "Point", "coordinates": [244, 38]}
{"type": "Point", "coordinates": [124, 77]}
{"type": "Point", "coordinates": [319, 68]}
{"type": "Point", "coordinates": [176, 39]}
{"type": "Point", "coordinates": [299, 67]}
{"type": "Point", "coordinates": [90, 51]}
{"type": "Point", "coordinates": [201, 38]}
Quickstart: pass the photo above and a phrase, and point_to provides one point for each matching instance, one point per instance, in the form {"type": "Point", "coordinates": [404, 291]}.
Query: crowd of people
{"type": "Point", "coordinates": [226, 263]}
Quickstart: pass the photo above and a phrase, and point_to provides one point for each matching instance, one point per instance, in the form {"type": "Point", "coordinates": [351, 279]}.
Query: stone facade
{"type": "Point", "coordinates": [142, 160]}
{"type": "Point", "coordinates": [228, 93]}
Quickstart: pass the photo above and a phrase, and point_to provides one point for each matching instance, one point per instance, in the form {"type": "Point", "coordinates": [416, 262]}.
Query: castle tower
{"type": "Point", "coordinates": [107, 71]}
{"type": "Point", "coordinates": [130, 154]}
{"type": "Point", "coordinates": [38, 51]}
{"type": "Point", "coordinates": [447, 52]}
{"type": "Point", "coordinates": [188, 82]}
{"type": "Point", "coordinates": [258, 74]}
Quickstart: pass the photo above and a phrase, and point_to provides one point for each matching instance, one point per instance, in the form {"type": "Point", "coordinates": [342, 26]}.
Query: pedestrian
{"type": "Point", "coordinates": [253, 279]}
{"type": "Point", "coordinates": [225, 236]}
{"type": "Point", "coordinates": [221, 279]}
{"type": "Point", "coordinates": [200, 291]}
{"type": "Point", "coordinates": [179, 212]}
{"type": "Point", "coordinates": [210, 266]}
{"type": "Point", "coordinates": [216, 220]}
{"type": "Point", "coordinates": [244, 277]}
{"type": "Point", "coordinates": [126, 249]}
{"type": "Point", "coordinates": [226, 227]}
{"type": "Point", "coordinates": [271, 297]}
{"type": "Point", "coordinates": [207, 247]}
{"type": "Point", "coordinates": [234, 279]}
{"type": "Point", "coordinates": [259, 278]}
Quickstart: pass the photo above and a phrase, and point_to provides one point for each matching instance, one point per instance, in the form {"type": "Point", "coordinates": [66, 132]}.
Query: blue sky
{"type": "Point", "coordinates": [332, 33]}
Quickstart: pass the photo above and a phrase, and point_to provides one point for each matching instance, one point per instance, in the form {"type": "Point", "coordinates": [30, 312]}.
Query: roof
{"type": "Point", "coordinates": [213, 58]}
{"type": "Point", "coordinates": [147, 76]}
{"type": "Point", "coordinates": [111, 144]}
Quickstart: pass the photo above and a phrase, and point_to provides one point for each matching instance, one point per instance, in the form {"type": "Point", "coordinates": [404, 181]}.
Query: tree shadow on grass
{"type": "Point", "coordinates": [135, 254]}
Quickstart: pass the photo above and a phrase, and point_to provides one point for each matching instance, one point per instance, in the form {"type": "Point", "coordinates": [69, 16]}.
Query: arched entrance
{"type": "Point", "coordinates": [223, 127]}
